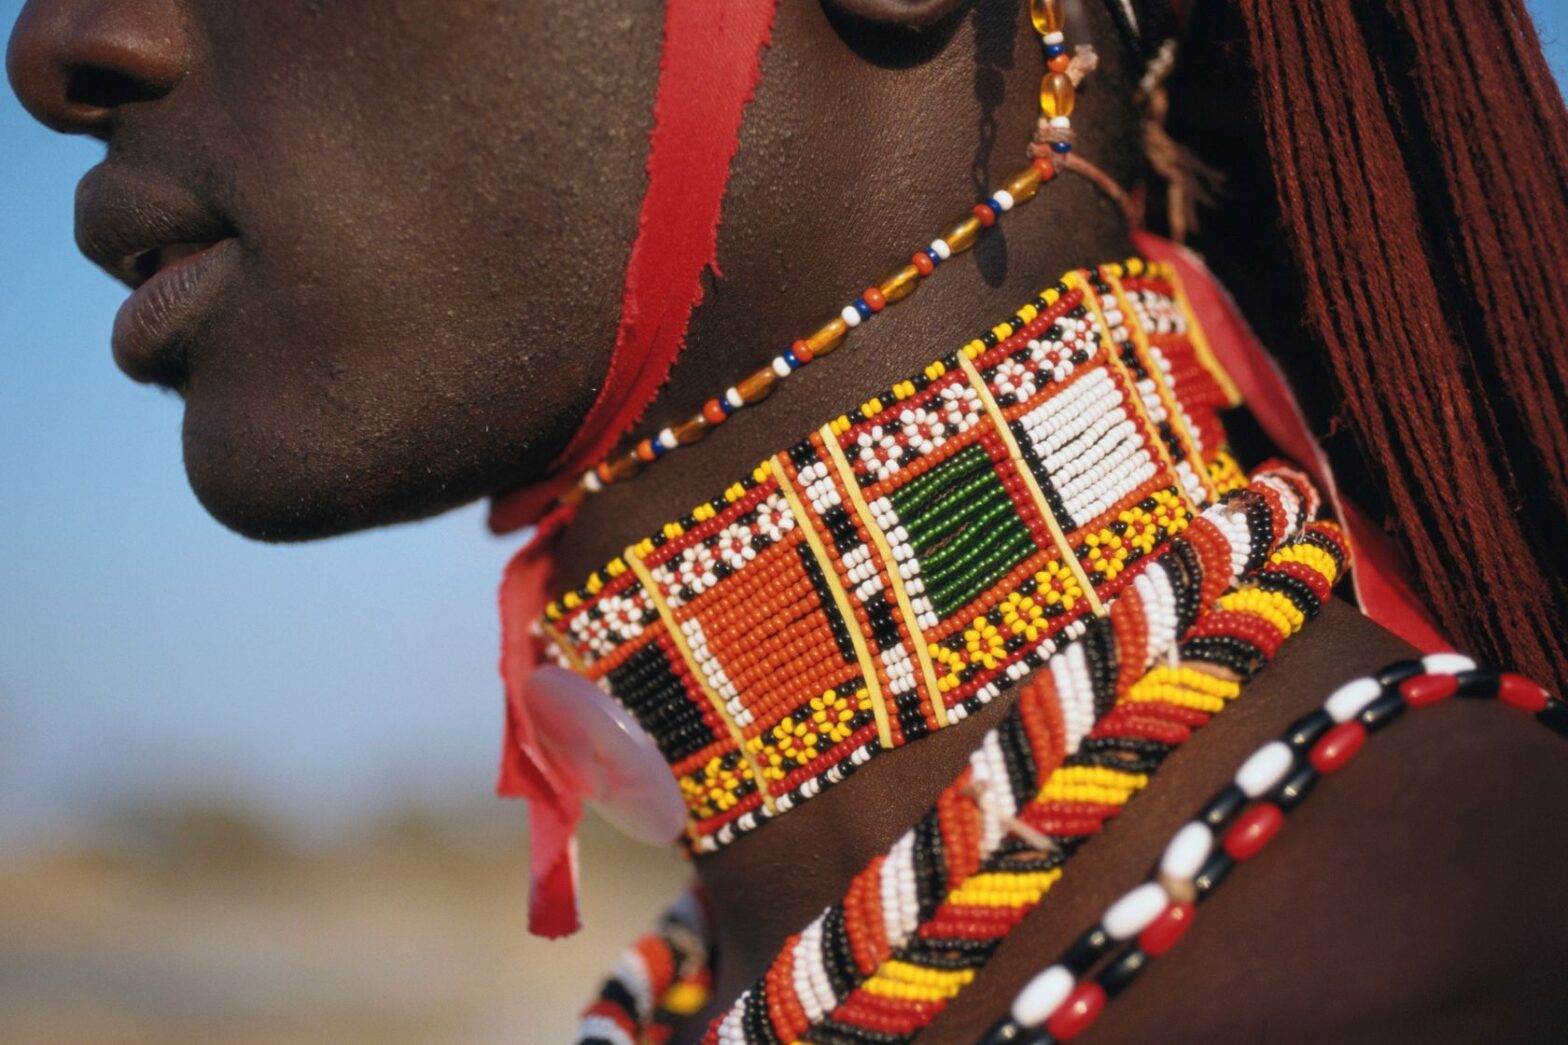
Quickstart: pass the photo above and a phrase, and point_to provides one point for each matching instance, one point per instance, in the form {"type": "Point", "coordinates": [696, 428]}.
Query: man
{"type": "Point", "coordinates": [380, 250]}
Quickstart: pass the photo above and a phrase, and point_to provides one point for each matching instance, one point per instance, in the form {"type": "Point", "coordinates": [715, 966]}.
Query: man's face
{"type": "Point", "coordinates": [377, 245]}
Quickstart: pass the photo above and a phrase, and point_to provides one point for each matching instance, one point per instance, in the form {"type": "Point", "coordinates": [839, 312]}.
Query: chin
{"type": "Point", "coordinates": [277, 487]}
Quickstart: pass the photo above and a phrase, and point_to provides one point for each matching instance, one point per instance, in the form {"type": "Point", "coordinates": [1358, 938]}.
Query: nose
{"type": "Point", "coordinates": [77, 65]}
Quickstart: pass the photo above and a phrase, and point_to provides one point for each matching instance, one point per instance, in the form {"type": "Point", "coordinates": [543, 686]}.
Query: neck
{"type": "Point", "coordinates": [1071, 225]}
{"type": "Point", "coordinates": [770, 883]}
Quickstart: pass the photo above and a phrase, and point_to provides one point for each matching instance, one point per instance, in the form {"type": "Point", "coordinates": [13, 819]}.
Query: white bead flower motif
{"type": "Point", "coordinates": [616, 619]}
{"type": "Point", "coordinates": [734, 545]}
{"type": "Point", "coordinates": [960, 407]}
{"type": "Point", "coordinates": [922, 429]}
{"type": "Point", "coordinates": [1016, 379]}
{"type": "Point", "coordinates": [774, 519]}
{"type": "Point", "coordinates": [688, 574]}
{"type": "Point", "coordinates": [878, 453]}
{"type": "Point", "coordinates": [880, 450]}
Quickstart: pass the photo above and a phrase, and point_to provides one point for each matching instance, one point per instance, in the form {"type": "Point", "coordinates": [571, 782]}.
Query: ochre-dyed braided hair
{"type": "Point", "coordinates": [1413, 157]}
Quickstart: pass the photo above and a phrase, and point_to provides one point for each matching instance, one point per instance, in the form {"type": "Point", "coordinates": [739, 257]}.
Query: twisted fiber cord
{"type": "Point", "coordinates": [1413, 392]}
{"type": "Point", "coordinates": [885, 986]}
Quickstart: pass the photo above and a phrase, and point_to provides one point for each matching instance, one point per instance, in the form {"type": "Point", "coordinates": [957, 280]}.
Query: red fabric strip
{"type": "Point", "coordinates": [712, 61]}
{"type": "Point", "coordinates": [709, 70]}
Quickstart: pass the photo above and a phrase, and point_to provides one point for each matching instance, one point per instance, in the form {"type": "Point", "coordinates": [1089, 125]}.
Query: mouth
{"type": "Point", "coordinates": [175, 254]}
{"type": "Point", "coordinates": [152, 329]}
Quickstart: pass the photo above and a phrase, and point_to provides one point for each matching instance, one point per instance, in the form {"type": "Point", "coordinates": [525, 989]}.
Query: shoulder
{"type": "Point", "coordinates": [1414, 897]}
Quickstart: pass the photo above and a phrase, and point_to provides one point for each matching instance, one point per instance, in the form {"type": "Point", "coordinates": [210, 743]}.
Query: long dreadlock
{"type": "Point", "coordinates": [1413, 157]}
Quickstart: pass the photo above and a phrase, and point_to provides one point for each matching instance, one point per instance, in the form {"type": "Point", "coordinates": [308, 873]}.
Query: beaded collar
{"type": "Point", "coordinates": [895, 570]}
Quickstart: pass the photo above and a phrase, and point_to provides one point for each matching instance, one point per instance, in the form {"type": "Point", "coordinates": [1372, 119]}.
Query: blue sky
{"type": "Point", "coordinates": [145, 652]}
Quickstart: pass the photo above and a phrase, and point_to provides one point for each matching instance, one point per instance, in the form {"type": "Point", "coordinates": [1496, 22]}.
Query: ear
{"type": "Point", "coordinates": [911, 14]}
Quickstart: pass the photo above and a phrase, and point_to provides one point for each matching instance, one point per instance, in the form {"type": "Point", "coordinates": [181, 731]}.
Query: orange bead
{"type": "Point", "coordinates": [1059, 64]}
{"type": "Point", "coordinates": [1057, 95]}
{"type": "Point", "coordinates": [827, 336]}
{"type": "Point", "coordinates": [1047, 16]}
{"type": "Point", "coordinates": [961, 235]}
{"type": "Point", "coordinates": [1023, 185]}
{"type": "Point", "coordinates": [623, 468]}
{"type": "Point", "coordinates": [690, 431]}
{"type": "Point", "coordinates": [758, 386]}
{"type": "Point", "coordinates": [900, 283]}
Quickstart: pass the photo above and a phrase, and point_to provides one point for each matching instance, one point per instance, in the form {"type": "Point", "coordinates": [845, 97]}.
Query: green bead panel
{"type": "Point", "coordinates": [963, 528]}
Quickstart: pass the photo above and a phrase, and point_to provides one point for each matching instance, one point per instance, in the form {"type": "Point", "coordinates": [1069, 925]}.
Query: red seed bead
{"type": "Point", "coordinates": [1059, 64]}
{"type": "Point", "coordinates": [1421, 690]}
{"type": "Point", "coordinates": [1338, 746]}
{"type": "Point", "coordinates": [803, 351]}
{"type": "Point", "coordinates": [713, 410]}
{"type": "Point", "coordinates": [922, 262]}
{"type": "Point", "coordinates": [1046, 167]}
{"type": "Point", "coordinates": [986, 215]}
{"type": "Point", "coordinates": [1167, 930]}
{"type": "Point", "coordinates": [1075, 1015]}
{"type": "Point", "coordinates": [873, 297]}
{"type": "Point", "coordinates": [1519, 692]}
{"type": "Point", "coordinates": [1253, 830]}
{"type": "Point", "coordinates": [645, 450]}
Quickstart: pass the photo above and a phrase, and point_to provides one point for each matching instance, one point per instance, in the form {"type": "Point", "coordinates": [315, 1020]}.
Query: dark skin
{"type": "Point", "coordinates": [433, 205]}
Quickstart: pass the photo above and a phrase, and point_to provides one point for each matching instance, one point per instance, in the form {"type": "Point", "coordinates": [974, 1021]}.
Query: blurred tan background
{"type": "Point", "coordinates": [245, 790]}
{"type": "Point", "coordinates": [205, 925]}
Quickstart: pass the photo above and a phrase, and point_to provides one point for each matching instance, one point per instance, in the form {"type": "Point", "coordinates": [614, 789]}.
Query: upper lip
{"type": "Point", "coordinates": [132, 226]}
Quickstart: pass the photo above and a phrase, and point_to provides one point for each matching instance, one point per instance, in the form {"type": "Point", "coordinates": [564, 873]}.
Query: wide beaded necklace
{"type": "Point", "coordinates": [901, 566]}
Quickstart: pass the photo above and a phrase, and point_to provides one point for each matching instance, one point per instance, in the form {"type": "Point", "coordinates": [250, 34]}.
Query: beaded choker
{"type": "Point", "coordinates": [898, 568]}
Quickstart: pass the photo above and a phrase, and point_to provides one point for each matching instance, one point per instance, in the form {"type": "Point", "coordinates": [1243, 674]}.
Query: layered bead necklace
{"type": "Point", "coordinates": [1093, 412]}
{"type": "Point", "coordinates": [1236, 824]}
{"type": "Point", "coordinates": [1082, 738]}
{"type": "Point", "coordinates": [1053, 502]}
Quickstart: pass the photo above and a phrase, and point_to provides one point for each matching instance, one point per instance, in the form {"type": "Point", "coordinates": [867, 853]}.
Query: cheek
{"type": "Point", "coordinates": [332, 404]}
{"type": "Point", "coordinates": [435, 243]}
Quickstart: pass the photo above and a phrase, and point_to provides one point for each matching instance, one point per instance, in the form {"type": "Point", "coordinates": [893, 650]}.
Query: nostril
{"type": "Point", "coordinates": [74, 63]}
{"type": "Point", "coordinates": [98, 88]}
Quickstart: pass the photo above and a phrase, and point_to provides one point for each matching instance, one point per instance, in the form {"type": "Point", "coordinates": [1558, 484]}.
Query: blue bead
{"type": "Point", "coordinates": [1053, 50]}
{"type": "Point", "coordinates": [996, 208]}
{"type": "Point", "coordinates": [1062, 147]}
{"type": "Point", "coordinates": [658, 448]}
{"type": "Point", "coordinates": [936, 259]}
{"type": "Point", "coordinates": [724, 404]}
{"type": "Point", "coordinates": [789, 357]}
{"type": "Point", "coordinates": [863, 308]}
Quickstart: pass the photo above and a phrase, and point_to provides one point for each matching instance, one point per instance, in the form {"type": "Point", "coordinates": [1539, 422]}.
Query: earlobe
{"type": "Point", "coordinates": [912, 14]}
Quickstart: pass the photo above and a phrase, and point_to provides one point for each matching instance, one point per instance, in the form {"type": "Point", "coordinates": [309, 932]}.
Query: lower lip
{"type": "Point", "coordinates": [154, 321]}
